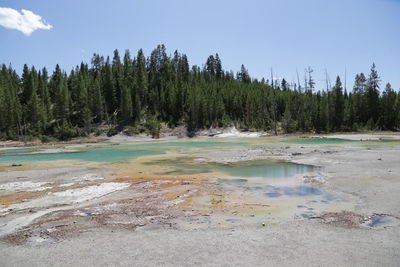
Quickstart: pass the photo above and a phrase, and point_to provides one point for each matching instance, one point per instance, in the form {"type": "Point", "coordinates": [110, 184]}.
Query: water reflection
{"type": "Point", "coordinates": [248, 169]}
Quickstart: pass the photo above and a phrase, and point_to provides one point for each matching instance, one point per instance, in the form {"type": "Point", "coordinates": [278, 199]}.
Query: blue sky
{"type": "Point", "coordinates": [285, 35]}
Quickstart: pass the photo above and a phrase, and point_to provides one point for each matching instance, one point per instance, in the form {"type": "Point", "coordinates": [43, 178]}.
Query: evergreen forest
{"type": "Point", "coordinates": [139, 94]}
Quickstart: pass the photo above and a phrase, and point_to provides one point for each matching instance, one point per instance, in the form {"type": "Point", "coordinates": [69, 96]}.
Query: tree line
{"type": "Point", "coordinates": [140, 94]}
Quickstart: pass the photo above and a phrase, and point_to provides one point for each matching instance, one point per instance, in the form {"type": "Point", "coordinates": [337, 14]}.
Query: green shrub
{"type": "Point", "coordinates": [112, 131]}
{"type": "Point", "coordinates": [133, 130]}
{"type": "Point", "coordinates": [47, 139]}
{"type": "Point", "coordinates": [98, 132]}
{"type": "Point", "coordinates": [370, 125]}
{"type": "Point", "coordinates": [65, 131]}
{"type": "Point", "coordinates": [153, 128]}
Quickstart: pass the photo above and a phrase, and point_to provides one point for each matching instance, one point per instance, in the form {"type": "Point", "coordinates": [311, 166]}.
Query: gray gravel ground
{"type": "Point", "coordinates": [372, 176]}
{"type": "Point", "coordinates": [298, 243]}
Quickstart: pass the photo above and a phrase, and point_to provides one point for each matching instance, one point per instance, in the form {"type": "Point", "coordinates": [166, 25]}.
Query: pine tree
{"type": "Point", "coordinates": [141, 85]}
{"type": "Point", "coordinates": [372, 95]}
{"type": "Point", "coordinates": [26, 85]}
{"type": "Point", "coordinates": [359, 101]}
{"type": "Point", "coordinates": [61, 97]}
{"type": "Point", "coordinates": [108, 89]}
{"type": "Point", "coordinates": [155, 82]}
{"type": "Point", "coordinates": [310, 80]}
{"type": "Point", "coordinates": [125, 114]}
{"type": "Point", "coordinates": [338, 104]}
{"type": "Point", "coordinates": [97, 64]}
{"type": "Point", "coordinates": [397, 111]}
{"type": "Point", "coordinates": [243, 75]}
{"type": "Point", "coordinates": [210, 66]}
{"type": "Point", "coordinates": [10, 108]}
{"type": "Point", "coordinates": [323, 114]}
{"type": "Point", "coordinates": [284, 85]}
{"type": "Point", "coordinates": [97, 101]}
{"type": "Point", "coordinates": [388, 108]}
{"type": "Point", "coordinates": [288, 124]}
{"type": "Point", "coordinates": [218, 67]}
{"type": "Point", "coordinates": [33, 109]}
{"type": "Point", "coordinates": [273, 111]}
{"type": "Point", "coordinates": [44, 96]}
{"type": "Point", "coordinates": [5, 117]}
{"type": "Point", "coordinates": [349, 114]}
{"type": "Point", "coordinates": [85, 117]}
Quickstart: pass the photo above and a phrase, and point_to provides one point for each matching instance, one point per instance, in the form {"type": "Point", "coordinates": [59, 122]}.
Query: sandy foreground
{"type": "Point", "coordinates": [102, 215]}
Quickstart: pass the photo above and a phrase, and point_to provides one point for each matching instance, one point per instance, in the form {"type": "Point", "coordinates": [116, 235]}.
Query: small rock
{"type": "Point", "coordinates": [16, 165]}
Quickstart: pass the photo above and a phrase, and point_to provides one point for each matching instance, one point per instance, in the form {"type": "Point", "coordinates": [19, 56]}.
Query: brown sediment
{"type": "Point", "coordinates": [45, 165]}
{"type": "Point", "coordinates": [17, 238]}
{"type": "Point", "coordinates": [127, 214]}
{"type": "Point", "coordinates": [249, 208]}
{"type": "Point", "coordinates": [217, 200]}
{"type": "Point", "coordinates": [19, 197]}
{"type": "Point", "coordinates": [176, 194]}
{"type": "Point", "coordinates": [255, 205]}
{"type": "Point", "coordinates": [37, 142]}
{"type": "Point", "coordinates": [167, 185]}
{"type": "Point", "coordinates": [185, 198]}
{"type": "Point", "coordinates": [159, 178]}
{"type": "Point", "coordinates": [346, 219]}
{"type": "Point", "coordinates": [270, 154]}
{"type": "Point", "coordinates": [188, 201]}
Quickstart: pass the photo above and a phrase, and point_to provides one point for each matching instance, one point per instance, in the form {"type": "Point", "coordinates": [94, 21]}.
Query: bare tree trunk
{"type": "Point", "coordinates": [272, 79]}
{"type": "Point", "coordinates": [326, 80]}
{"type": "Point", "coordinates": [298, 81]}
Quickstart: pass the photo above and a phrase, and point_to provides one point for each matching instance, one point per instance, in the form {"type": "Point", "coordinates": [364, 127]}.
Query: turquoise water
{"type": "Point", "coordinates": [18, 151]}
{"type": "Point", "coordinates": [264, 169]}
{"type": "Point", "coordinates": [113, 153]}
{"type": "Point", "coordinates": [248, 169]}
{"type": "Point", "coordinates": [103, 154]}
{"type": "Point", "coordinates": [177, 166]}
{"type": "Point", "coordinates": [190, 144]}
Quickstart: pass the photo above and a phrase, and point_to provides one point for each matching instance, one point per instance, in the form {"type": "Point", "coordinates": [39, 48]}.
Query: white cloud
{"type": "Point", "coordinates": [26, 21]}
